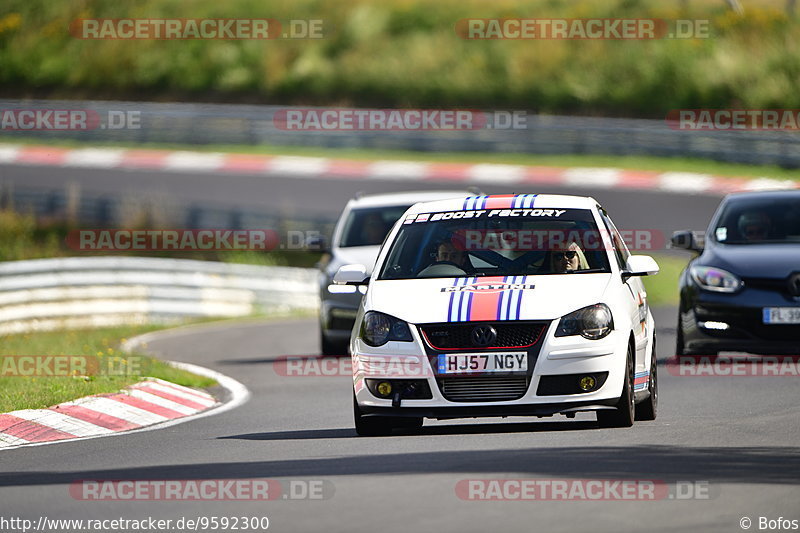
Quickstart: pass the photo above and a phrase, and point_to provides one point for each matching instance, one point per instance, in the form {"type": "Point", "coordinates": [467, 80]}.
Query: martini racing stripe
{"type": "Point", "coordinates": [511, 301]}
{"type": "Point", "coordinates": [486, 305]}
{"type": "Point", "coordinates": [641, 379]}
{"type": "Point", "coordinates": [502, 201]}
{"type": "Point", "coordinates": [460, 301]}
{"type": "Point", "coordinates": [480, 305]}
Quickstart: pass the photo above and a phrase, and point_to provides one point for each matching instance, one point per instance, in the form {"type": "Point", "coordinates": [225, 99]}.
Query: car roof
{"type": "Point", "coordinates": [405, 198]}
{"type": "Point", "coordinates": [763, 195]}
{"type": "Point", "coordinates": [506, 201]}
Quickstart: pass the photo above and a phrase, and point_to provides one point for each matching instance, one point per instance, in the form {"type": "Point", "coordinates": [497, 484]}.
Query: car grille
{"type": "Point", "coordinates": [484, 389]}
{"type": "Point", "coordinates": [780, 286]}
{"type": "Point", "coordinates": [459, 336]}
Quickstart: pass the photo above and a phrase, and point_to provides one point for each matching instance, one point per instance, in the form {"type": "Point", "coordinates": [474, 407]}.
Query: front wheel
{"type": "Point", "coordinates": [648, 409]}
{"type": "Point", "coordinates": [624, 413]}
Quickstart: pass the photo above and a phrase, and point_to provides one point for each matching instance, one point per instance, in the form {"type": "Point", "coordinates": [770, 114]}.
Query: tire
{"type": "Point", "coordinates": [679, 349]}
{"type": "Point", "coordinates": [370, 426]}
{"type": "Point", "coordinates": [624, 413]}
{"type": "Point", "coordinates": [648, 409]}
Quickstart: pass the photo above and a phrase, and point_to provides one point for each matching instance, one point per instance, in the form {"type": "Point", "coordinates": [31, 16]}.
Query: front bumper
{"type": "Point", "coordinates": [550, 357]}
{"type": "Point", "coordinates": [478, 411]}
{"type": "Point", "coordinates": [746, 331]}
{"type": "Point", "coordinates": [337, 318]}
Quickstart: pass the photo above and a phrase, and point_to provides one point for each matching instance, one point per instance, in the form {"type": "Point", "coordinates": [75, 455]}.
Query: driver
{"type": "Point", "coordinates": [446, 251]}
{"type": "Point", "coordinates": [754, 226]}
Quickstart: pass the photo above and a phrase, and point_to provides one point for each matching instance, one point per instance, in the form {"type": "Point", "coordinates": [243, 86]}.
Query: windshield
{"type": "Point", "coordinates": [479, 243]}
{"type": "Point", "coordinates": [369, 226]}
{"type": "Point", "coordinates": [759, 220]}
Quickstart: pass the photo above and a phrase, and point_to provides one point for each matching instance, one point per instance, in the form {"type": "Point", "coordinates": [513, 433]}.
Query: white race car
{"type": "Point", "coordinates": [513, 305]}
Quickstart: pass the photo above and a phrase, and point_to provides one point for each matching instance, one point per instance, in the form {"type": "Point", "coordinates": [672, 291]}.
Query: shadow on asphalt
{"type": "Point", "coordinates": [670, 464]}
{"type": "Point", "coordinates": [460, 429]}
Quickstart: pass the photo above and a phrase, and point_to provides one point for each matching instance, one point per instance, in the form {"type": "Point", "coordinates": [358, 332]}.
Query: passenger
{"type": "Point", "coordinates": [571, 259]}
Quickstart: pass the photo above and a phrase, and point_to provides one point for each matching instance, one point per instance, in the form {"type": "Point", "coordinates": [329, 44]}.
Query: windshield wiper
{"type": "Point", "coordinates": [587, 271]}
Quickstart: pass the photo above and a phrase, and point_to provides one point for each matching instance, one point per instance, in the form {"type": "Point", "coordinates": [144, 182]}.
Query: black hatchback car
{"type": "Point", "coordinates": [742, 293]}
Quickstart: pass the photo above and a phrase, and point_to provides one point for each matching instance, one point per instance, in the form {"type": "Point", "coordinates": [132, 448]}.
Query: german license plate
{"type": "Point", "coordinates": [781, 315]}
{"type": "Point", "coordinates": [476, 363]}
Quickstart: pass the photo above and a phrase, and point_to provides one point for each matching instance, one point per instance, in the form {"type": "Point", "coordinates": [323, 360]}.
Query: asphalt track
{"type": "Point", "coordinates": [285, 194]}
{"type": "Point", "coordinates": [736, 436]}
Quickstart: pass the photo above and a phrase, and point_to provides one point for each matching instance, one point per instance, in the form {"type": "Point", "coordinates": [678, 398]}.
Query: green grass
{"type": "Point", "coordinates": [23, 237]}
{"type": "Point", "coordinates": [657, 164]}
{"type": "Point", "coordinates": [100, 345]}
{"type": "Point", "coordinates": [662, 289]}
{"type": "Point", "coordinates": [406, 53]}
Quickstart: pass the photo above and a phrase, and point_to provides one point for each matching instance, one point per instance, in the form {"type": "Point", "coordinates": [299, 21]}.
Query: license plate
{"type": "Point", "coordinates": [781, 315]}
{"type": "Point", "coordinates": [476, 363]}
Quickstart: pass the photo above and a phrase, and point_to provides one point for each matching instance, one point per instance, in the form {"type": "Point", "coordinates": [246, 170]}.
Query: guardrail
{"type": "Point", "coordinates": [128, 210]}
{"type": "Point", "coordinates": [544, 134]}
{"type": "Point", "coordinates": [47, 294]}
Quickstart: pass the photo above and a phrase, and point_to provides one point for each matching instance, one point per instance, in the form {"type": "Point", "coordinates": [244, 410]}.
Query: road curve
{"type": "Point", "coordinates": [735, 436]}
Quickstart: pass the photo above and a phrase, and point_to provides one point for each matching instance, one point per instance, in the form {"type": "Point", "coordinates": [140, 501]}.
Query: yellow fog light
{"type": "Point", "coordinates": [384, 388]}
{"type": "Point", "coordinates": [587, 383]}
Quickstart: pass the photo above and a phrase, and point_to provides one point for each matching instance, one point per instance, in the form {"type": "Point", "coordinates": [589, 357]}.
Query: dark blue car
{"type": "Point", "coordinates": [742, 292]}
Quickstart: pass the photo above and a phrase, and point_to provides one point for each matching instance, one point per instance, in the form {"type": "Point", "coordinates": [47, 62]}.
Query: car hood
{"type": "Point", "coordinates": [360, 255]}
{"type": "Point", "coordinates": [423, 301]}
{"type": "Point", "coordinates": [754, 260]}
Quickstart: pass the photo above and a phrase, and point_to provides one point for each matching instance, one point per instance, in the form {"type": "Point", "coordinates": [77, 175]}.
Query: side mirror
{"type": "Point", "coordinates": [351, 275]}
{"type": "Point", "coordinates": [640, 265]}
{"type": "Point", "coordinates": [686, 240]}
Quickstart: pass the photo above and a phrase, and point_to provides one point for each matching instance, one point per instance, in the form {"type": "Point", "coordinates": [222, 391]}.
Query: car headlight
{"type": "Point", "coordinates": [592, 322]}
{"type": "Point", "coordinates": [715, 279]}
{"type": "Point", "coordinates": [377, 329]}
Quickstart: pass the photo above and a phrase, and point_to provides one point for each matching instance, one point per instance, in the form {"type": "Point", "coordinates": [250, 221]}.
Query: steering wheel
{"type": "Point", "coordinates": [442, 268]}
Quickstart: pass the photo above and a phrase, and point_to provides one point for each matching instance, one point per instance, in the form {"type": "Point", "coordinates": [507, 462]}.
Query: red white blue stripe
{"type": "Point", "coordinates": [502, 201]}
{"type": "Point", "coordinates": [485, 304]}
{"type": "Point", "coordinates": [641, 380]}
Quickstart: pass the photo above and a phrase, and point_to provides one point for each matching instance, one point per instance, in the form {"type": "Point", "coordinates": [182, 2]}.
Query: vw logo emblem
{"type": "Point", "coordinates": [483, 335]}
{"type": "Point", "coordinates": [794, 284]}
